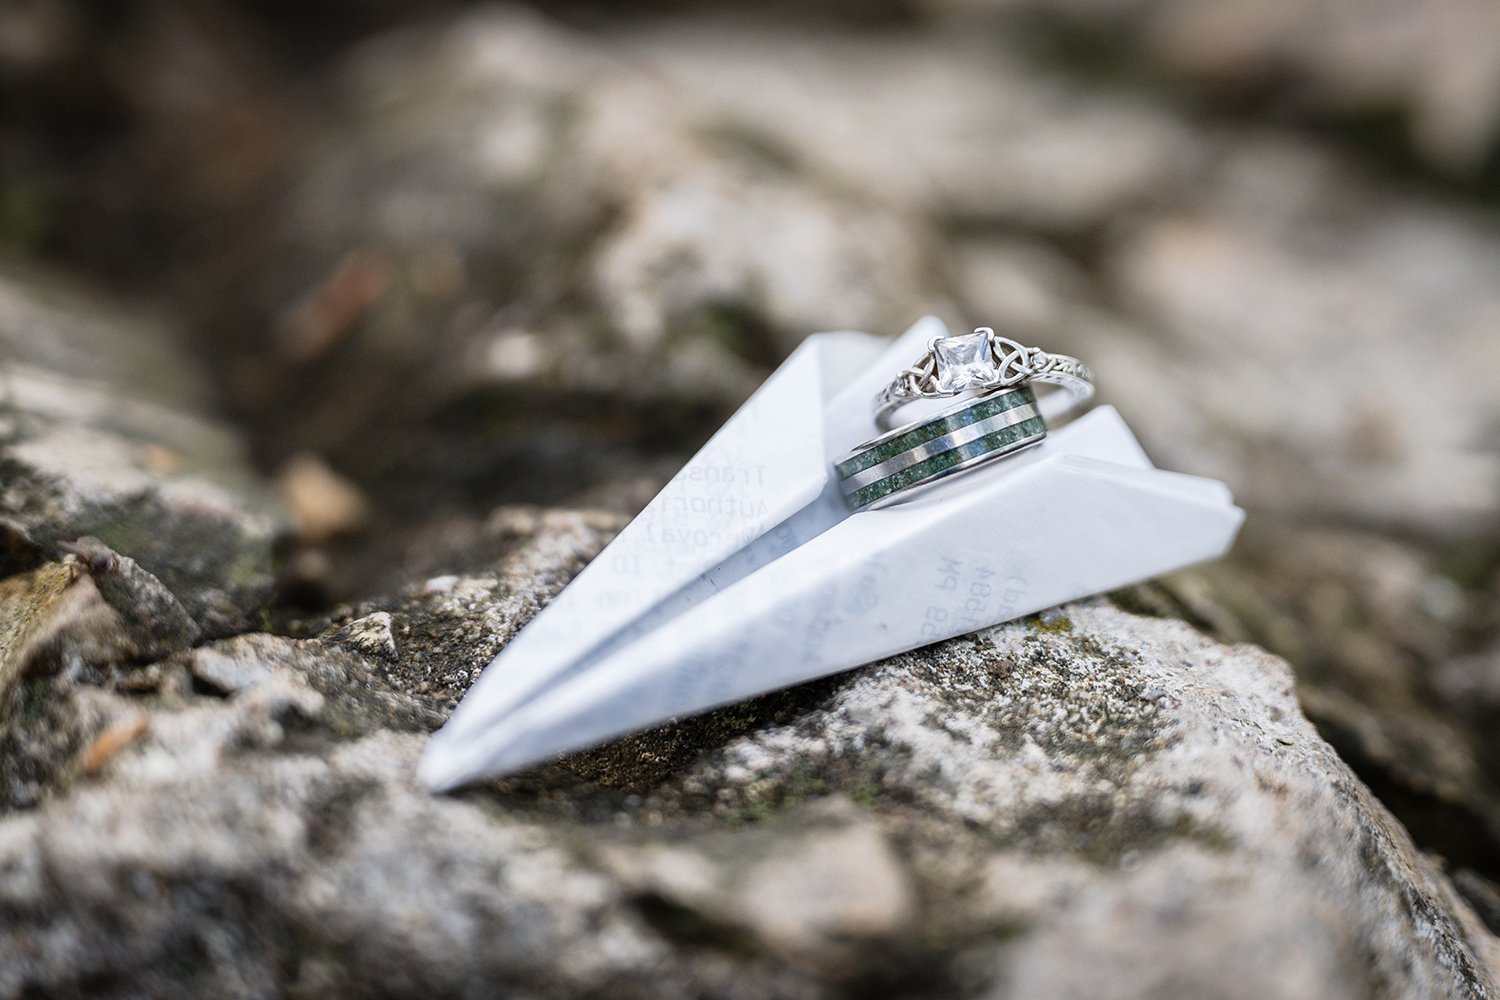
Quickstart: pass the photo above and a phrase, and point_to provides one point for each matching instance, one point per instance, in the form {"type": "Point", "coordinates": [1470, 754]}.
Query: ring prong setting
{"type": "Point", "coordinates": [965, 361]}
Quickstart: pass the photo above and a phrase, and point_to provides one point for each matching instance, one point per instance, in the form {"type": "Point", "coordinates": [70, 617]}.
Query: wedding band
{"type": "Point", "coordinates": [957, 439]}
{"type": "Point", "coordinates": [982, 361]}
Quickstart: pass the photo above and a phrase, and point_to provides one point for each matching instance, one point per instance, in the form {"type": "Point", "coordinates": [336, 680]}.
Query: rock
{"type": "Point", "coordinates": [53, 623]}
{"type": "Point", "coordinates": [962, 125]}
{"type": "Point", "coordinates": [1379, 626]}
{"type": "Point", "coordinates": [104, 432]}
{"type": "Point", "coordinates": [96, 609]}
{"type": "Point", "coordinates": [1427, 76]}
{"type": "Point", "coordinates": [1468, 688]}
{"type": "Point", "coordinates": [1104, 804]}
{"type": "Point", "coordinates": [323, 504]}
{"type": "Point", "coordinates": [226, 671]}
{"type": "Point", "coordinates": [1382, 272]}
{"type": "Point", "coordinates": [346, 693]}
{"type": "Point", "coordinates": [502, 223]}
{"type": "Point", "coordinates": [150, 618]}
{"type": "Point", "coordinates": [33, 607]}
{"type": "Point", "coordinates": [372, 635]}
{"type": "Point", "coordinates": [435, 637]}
{"type": "Point", "coordinates": [816, 896]}
{"type": "Point", "coordinates": [490, 257]}
{"type": "Point", "coordinates": [1367, 548]}
{"type": "Point", "coordinates": [1297, 403]}
{"type": "Point", "coordinates": [1482, 894]}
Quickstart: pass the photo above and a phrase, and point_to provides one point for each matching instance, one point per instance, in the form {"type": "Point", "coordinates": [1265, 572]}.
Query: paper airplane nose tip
{"type": "Point", "coordinates": [454, 757]}
{"type": "Point", "coordinates": [440, 769]}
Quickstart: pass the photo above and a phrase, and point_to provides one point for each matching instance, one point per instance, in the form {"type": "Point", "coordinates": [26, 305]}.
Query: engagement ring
{"type": "Point", "coordinates": [1001, 416]}
{"type": "Point", "coordinates": [982, 361]}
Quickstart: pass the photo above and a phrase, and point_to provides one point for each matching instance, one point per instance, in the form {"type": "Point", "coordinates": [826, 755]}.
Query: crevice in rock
{"type": "Point", "coordinates": [684, 925]}
{"type": "Point", "coordinates": [1439, 826]}
{"type": "Point", "coordinates": [1480, 893]}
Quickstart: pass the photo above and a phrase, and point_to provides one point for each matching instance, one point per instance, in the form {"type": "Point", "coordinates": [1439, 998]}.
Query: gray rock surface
{"type": "Point", "coordinates": [950, 122]}
{"type": "Point", "coordinates": [491, 256]}
{"type": "Point", "coordinates": [499, 209]}
{"type": "Point", "coordinates": [1022, 812]}
{"type": "Point", "coordinates": [107, 429]}
{"type": "Point", "coordinates": [60, 622]}
{"type": "Point", "coordinates": [1426, 73]}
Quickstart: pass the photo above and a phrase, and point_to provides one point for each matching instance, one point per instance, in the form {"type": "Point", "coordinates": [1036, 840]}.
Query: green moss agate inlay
{"type": "Point", "coordinates": [981, 410]}
{"type": "Point", "coordinates": [926, 469]}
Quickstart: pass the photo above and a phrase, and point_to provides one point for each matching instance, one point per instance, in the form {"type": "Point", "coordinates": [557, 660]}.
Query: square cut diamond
{"type": "Point", "coordinates": [964, 362]}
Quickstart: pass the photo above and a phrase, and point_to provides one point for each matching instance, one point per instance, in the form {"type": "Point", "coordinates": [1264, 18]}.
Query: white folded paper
{"type": "Point", "coordinates": [747, 573]}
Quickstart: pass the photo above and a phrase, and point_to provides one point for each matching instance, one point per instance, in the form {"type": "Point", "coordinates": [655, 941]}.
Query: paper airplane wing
{"type": "Point", "coordinates": [1085, 512]}
{"type": "Point", "coordinates": [763, 467]}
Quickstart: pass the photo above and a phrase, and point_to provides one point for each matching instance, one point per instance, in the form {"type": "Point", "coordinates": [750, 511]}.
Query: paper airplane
{"type": "Point", "coordinates": [747, 573]}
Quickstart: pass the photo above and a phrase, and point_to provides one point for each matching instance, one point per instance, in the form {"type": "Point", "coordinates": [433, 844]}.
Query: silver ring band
{"type": "Point", "coordinates": [981, 362]}
{"type": "Point", "coordinates": [912, 457]}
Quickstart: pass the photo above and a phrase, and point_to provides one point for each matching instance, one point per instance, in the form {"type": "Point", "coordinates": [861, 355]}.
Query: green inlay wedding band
{"type": "Point", "coordinates": [909, 458]}
{"type": "Point", "coordinates": [902, 439]}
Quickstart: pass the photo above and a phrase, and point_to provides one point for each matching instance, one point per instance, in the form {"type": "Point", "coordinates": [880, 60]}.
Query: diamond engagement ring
{"type": "Point", "coordinates": [981, 362]}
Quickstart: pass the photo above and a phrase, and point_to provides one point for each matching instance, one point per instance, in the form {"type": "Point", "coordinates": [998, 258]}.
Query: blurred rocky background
{"type": "Point", "coordinates": [335, 337]}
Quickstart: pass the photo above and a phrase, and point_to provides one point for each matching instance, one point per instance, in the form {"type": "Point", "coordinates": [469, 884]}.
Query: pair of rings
{"type": "Point", "coordinates": [1001, 415]}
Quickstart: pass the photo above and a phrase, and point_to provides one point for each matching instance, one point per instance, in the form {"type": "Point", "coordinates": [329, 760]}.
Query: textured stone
{"type": "Point", "coordinates": [1351, 413]}
{"type": "Point", "coordinates": [1026, 811]}
{"type": "Point", "coordinates": [962, 124]}
{"type": "Point", "coordinates": [492, 257]}
{"type": "Point", "coordinates": [817, 890]}
{"type": "Point", "coordinates": [583, 238]}
{"type": "Point", "coordinates": [57, 622]}
{"type": "Point", "coordinates": [30, 605]}
{"type": "Point", "coordinates": [148, 615]}
{"type": "Point", "coordinates": [1301, 400]}
{"type": "Point", "coordinates": [1424, 74]}
{"type": "Point", "coordinates": [104, 431]}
